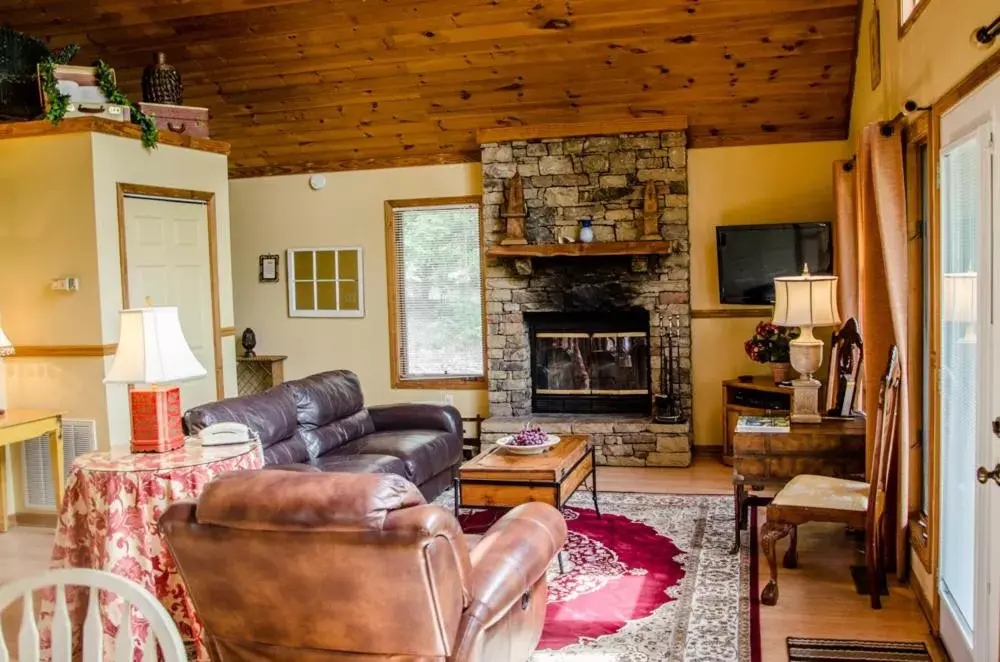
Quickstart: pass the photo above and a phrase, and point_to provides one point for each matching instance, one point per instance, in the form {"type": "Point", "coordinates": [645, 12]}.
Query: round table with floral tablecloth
{"type": "Point", "coordinates": [109, 518]}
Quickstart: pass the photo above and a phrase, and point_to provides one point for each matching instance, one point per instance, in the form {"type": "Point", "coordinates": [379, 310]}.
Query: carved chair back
{"type": "Point", "coordinates": [846, 354]}
{"type": "Point", "coordinates": [884, 455]}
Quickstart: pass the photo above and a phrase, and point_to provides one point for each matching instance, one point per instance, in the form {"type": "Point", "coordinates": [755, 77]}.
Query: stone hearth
{"type": "Point", "coordinates": [622, 441]}
{"type": "Point", "coordinates": [603, 178]}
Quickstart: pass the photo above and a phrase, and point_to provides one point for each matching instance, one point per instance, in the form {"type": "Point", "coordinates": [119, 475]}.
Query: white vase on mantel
{"type": "Point", "coordinates": [586, 231]}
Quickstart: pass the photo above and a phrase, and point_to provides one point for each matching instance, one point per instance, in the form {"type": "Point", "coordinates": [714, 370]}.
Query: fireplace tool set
{"type": "Point", "coordinates": [668, 403]}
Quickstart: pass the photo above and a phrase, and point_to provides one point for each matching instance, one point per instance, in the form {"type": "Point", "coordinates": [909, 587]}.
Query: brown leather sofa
{"type": "Point", "coordinates": [322, 421]}
{"type": "Point", "coordinates": [313, 566]}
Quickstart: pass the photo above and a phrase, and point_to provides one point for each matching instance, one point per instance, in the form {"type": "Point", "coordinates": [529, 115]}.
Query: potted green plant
{"type": "Point", "coordinates": [769, 345]}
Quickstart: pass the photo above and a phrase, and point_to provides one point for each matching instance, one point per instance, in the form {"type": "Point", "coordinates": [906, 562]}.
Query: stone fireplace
{"type": "Point", "coordinates": [576, 343]}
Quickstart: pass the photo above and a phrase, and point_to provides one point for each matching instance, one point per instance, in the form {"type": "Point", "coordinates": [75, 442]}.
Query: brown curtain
{"type": "Point", "coordinates": [884, 285]}
{"type": "Point", "coordinates": [845, 231]}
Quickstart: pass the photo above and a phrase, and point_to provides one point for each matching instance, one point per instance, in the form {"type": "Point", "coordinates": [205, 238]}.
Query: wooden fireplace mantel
{"type": "Point", "coordinates": [578, 249]}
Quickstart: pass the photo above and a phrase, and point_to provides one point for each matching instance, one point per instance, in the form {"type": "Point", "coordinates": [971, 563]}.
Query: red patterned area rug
{"type": "Point", "coordinates": [652, 580]}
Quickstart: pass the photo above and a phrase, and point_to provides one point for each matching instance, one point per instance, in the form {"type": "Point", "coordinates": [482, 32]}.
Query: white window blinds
{"type": "Point", "coordinates": [438, 285]}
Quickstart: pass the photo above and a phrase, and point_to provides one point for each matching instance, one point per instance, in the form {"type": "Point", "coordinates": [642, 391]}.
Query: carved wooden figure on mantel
{"type": "Point", "coordinates": [650, 214]}
{"type": "Point", "coordinates": [514, 213]}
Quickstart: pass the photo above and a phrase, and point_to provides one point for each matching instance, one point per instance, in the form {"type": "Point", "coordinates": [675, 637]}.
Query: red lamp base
{"type": "Point", "coordinates": [156, 419]}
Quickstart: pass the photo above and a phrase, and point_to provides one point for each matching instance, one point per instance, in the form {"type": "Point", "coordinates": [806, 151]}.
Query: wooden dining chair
{"type": "Point", "coordinates": [162, 630]}
{"type": "Point", "coordinates": [857, 504]}
{"type": "Point", "coordinates": [843, 387]}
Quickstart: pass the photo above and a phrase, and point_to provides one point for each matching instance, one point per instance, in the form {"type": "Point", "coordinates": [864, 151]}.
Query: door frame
{"type": "Point", "coordinates": [180, 195]}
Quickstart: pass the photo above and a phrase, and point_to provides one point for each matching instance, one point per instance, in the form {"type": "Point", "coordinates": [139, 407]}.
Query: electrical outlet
{"type": "Point", "coordinates": [449, 399]}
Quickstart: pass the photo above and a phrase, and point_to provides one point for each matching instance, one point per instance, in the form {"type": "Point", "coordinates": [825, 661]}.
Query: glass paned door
{"type": "Point", "coordinates": [960, 377]}
{"type": "Point", "coordinates": [968, 286]}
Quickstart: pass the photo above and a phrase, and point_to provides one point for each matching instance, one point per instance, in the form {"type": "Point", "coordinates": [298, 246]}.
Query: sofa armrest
{"type": "Point", "coordinates": [513, 555]}
{"type": "Point", "coordinates": [417, 417]}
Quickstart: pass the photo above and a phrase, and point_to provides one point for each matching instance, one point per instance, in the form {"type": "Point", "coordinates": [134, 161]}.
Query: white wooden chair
{"type": "Point", "coordinates": [162, 630]}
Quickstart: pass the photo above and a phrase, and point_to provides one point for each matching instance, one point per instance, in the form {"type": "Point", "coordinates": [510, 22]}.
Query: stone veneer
{"type": "Point", "coordinates": [566, 179]}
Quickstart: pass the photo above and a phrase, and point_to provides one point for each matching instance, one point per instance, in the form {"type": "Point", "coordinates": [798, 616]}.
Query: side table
{"type": "Point", "coordinates": [20, 425]}
{"type": "Point", "coordinates": [108, 521]}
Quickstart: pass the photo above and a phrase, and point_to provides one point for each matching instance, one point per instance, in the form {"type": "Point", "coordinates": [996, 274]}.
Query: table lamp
{"type": "Point", "coordinates": [805, 301]}
{"type": "Point", "coordinates": [152, 350]}
{"type": "Point", "coordinates": [959, 295]}
{"type": "Point", "coordinates": [6, 349]}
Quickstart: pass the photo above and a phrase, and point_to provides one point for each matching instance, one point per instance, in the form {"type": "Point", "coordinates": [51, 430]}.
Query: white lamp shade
{"type": "Point", "coordinates": [6, 347]}
{"type": "Point", "coordinates": [959, 297]}
{"type": "Point", "coordinates": [806, 301]}
{"type": "Point", "coordinates": [152, 349]}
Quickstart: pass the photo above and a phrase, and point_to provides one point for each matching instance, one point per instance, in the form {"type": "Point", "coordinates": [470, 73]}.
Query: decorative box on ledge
{"type": "Point", "coordinates": [621, 441]}
{"type": "Point", "coordinates": [188, 120]}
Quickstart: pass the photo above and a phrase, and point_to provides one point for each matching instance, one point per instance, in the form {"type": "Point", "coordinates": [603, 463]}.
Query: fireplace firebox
{"type": "Point", "coordinates": [590, 362]}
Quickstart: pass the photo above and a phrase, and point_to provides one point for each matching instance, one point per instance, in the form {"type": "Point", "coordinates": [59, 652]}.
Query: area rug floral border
{"type": "Point", "coordinates": [712, 613]}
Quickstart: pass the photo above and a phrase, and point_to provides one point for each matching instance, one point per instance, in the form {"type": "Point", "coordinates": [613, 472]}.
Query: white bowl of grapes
{"type": "Point", "coordinates": [531, 440]}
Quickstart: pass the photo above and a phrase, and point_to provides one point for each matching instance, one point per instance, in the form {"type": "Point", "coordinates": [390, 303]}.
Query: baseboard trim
{"type": "Point", "coordinates": [47, 520]}
{"type": "Point", "coordinates": [713, 450]}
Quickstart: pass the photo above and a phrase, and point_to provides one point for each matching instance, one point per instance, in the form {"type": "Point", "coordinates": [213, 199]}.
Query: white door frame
{"type": "Point", "coordinates": [179, 195]}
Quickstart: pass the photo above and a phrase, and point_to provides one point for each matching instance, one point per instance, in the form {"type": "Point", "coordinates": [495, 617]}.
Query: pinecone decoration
{"type": "Point", "coordinates": [161, 83]}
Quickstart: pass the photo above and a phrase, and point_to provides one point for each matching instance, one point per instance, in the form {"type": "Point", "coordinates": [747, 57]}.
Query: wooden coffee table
{"type": "Point", "coordinates": [497, 479]}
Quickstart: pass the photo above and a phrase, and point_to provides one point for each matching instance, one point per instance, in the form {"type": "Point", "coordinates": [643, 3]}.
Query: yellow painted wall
{"type": "Point", "coordinates": [732, 186]}
{"type": "Point", "coordinates": [47, 231]}
{"type": "Point", "coordinates": [931, 58]}
{"type": "Point", "coordinates": [270, 215]}
{"type": "Point", "coordinates": [124, 160]}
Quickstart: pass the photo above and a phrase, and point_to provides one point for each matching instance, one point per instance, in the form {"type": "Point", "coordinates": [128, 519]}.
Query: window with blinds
{"type": "Point", "coordinates": [436, 290]}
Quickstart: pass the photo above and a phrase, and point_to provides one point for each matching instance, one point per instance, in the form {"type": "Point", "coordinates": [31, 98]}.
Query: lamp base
{"type": "Point", "coordinates": [805, 401]}
{"type": "Point", "coordinates": [156, 419]}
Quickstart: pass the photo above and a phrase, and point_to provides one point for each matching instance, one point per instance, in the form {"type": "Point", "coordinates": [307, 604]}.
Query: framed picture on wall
{"type": "Point", "coordinates": [326, 282]}
{"type": "Point", "coordinates": [875, 47]}
{"type": "Point", "coordinates": [269, 268]}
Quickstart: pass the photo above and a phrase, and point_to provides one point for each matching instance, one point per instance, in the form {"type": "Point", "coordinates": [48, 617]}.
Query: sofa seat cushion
{"type": "Point", "coordinates": [361, 464]}
{"type": "Point", "coordinates": [425, 453]}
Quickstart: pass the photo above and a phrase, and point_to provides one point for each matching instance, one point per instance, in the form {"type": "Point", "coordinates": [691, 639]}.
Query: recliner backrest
{"type": "Point", "coordinates": [278, 562]}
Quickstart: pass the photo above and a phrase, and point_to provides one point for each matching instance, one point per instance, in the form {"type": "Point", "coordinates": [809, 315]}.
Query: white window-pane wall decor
{"type": "Point", "coordinates": [325, 282]}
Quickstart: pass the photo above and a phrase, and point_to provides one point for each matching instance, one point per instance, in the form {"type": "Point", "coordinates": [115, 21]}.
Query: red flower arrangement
{"type": "Point", "coordinates": [769, 343]}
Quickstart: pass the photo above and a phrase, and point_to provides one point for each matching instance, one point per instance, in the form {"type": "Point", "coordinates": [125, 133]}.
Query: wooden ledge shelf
{"type": "Point", "coordinates": [579, 249]}
{"type": "Point", "coordinates": [107, 127]}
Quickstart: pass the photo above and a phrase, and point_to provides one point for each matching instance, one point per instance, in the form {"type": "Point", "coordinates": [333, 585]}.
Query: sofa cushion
{"type": "Point", "coordinates": [326, 396]}
{"type": "Point", "coordinates": [329, 409]}
{"type": "Point", "coordinates": [271, 415]}
{"type": "Point", "coordinates": [425, 453]}
{"type": "Point", "coordinates": [361, 464]}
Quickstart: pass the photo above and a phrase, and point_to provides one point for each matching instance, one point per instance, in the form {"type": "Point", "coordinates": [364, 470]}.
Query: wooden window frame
{"type": "Point", "coordinates": [920, 250]}
{"type": "Point", "coordinates": [434, 383]}
{"type": "Point", "coordinates": [918, 9]}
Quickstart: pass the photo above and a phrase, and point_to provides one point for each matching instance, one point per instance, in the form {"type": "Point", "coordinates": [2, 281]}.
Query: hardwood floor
{"type": "Point", "coordinates": [817, 599]}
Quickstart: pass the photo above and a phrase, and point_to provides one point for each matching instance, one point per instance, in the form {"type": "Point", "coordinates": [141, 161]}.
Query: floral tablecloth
{"type": "Point", "coordinates": [109, 518]}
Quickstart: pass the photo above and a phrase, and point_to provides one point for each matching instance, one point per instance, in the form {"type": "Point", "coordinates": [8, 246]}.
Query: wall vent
{"type": "Point", "coordinates": [79, 437]}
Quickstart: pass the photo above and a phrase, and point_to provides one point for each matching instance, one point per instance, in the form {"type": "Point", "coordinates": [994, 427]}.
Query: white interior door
{"type": "Point", "coordinates": [167, 255]}
{"type": "Point", "coordinates": [969, 354]}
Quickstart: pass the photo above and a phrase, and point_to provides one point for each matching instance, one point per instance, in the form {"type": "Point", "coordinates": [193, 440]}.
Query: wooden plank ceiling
{"type": "Point", "coordinates": [312, 85]}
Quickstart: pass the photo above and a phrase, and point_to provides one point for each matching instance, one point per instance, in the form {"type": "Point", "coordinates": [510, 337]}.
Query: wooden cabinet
{"type": "Point", "coordinates": [757, 397]}
{"type": "Point", "coordinates": [256, 374]}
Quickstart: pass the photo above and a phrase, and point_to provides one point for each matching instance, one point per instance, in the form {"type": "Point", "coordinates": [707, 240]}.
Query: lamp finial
{"type": "Point", "coordinates": [805, 268]}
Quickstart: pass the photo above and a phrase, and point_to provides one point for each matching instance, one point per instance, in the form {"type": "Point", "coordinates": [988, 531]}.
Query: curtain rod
{"type": "Point", "coordinates": [987, 34]}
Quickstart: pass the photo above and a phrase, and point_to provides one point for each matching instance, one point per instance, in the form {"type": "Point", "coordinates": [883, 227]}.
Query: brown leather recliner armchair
{"type": "Point", "coordinates": [355, 567]}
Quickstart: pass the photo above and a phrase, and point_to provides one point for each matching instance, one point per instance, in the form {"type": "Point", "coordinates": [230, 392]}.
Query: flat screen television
{"type": "Point", "coordinates": [752, 256]}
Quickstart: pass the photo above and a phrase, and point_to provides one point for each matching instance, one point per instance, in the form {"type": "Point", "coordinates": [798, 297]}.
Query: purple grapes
{"type": "Point", "coordinates": [530, 436]}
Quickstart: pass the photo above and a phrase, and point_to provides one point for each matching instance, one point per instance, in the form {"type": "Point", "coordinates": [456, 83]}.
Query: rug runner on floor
{"type": "Point", "coordinates": [848, 650]}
